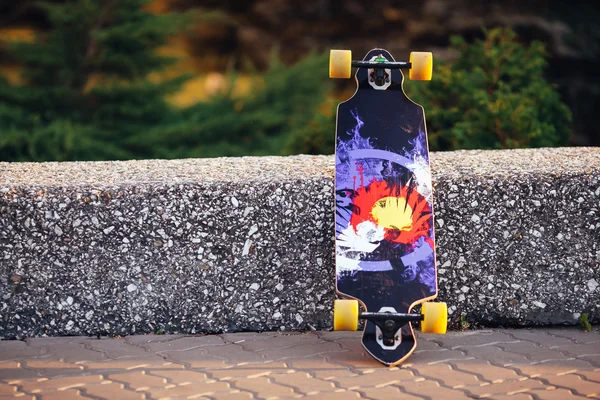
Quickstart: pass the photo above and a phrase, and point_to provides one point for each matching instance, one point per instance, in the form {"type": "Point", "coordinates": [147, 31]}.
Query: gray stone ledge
{"type": "Point", "coordinates": [235, 244]}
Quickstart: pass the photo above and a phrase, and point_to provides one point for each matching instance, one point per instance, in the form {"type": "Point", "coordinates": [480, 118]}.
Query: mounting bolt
{"type": "Point", "coordinates": [389, 325]}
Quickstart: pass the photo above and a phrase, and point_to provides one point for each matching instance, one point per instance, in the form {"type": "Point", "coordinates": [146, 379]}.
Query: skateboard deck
{"type": "Point", "coordinates": [385, 244]}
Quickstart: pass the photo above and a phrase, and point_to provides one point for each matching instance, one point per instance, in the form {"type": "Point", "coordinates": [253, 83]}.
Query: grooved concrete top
{"type": "Point", "coordinates": [243, 169]}
{"type": "Point", "coordinates": [223, 169]}
{"type": "Point", "coordinates": [550, 161]}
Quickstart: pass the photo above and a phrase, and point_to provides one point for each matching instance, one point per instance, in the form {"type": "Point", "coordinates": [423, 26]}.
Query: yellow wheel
{"type": "Point", "coordinates": [435, 318]}
{"type": "Point", "coordinates": [345, 315]}
{"type": "Point", "coordinates": [340, 63]}
{"type": "Point", "coordinates": [421, 66]}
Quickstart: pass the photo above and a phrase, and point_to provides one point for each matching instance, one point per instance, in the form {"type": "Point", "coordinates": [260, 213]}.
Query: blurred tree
{"type": "Point", "coordinates": [86, 93]}
{"type": "Point", "coordinates": [493, 96]}
{"type": "Point", "coordinates": [280, 115]}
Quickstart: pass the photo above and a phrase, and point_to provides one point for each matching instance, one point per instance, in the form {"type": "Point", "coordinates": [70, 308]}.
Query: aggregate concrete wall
{"type": "Point", "coordinates": [234, 244]}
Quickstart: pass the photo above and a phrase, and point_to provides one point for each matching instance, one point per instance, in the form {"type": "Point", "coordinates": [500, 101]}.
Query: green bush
{"type": "Point", "coordinates": [279, 116]}
{"type": "Point", "coordinates": [493, 96]}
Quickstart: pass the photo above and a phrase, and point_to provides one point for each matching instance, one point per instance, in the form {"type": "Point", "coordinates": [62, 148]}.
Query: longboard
{"type": "Point", "coordinates": [385, 241]}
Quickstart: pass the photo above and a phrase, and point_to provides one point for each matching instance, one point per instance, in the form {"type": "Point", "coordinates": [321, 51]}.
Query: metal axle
{"type": "Point", "coordinates": [382, 65]}
{"type": "Point", "coordinates": [397, 317]}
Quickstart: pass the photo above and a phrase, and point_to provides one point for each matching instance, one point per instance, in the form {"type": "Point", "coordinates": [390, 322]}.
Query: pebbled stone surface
{"type": "Point", "coordinates": [548, 365]}
{"type": "Point", "coordinates": [246, 244]}
{"type": "Point", "coordinates": [518, 234]}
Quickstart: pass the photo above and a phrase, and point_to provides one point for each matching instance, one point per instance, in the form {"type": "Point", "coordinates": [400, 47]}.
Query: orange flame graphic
{"type": "Point", "coordinates": [403, 213]}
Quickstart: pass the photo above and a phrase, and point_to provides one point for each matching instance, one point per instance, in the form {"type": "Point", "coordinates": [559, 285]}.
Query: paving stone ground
{"type": "Point", "coordinates": [557, 363]}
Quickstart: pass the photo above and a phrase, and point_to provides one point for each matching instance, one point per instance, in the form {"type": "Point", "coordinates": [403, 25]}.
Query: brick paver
{"type": "Point", "coordinates": [538, 364]}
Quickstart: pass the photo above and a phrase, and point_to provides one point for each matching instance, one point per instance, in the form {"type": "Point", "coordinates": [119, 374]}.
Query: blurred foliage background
{"type": "Point", "coordinates": [127, 79]}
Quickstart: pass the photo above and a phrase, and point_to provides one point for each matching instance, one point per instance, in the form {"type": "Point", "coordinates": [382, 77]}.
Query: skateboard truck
{"type": "Point", "coordinates": [379, 70]}
{"type": "Point", "coordinates": [420, 65]}
{"type": "Point", "coordinates": [389, 323]}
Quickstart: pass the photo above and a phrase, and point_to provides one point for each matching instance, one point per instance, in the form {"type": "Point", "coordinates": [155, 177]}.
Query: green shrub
{"type": "Point", "coordinates": [493, 96]}
{"type": "Point", "coordinates": [278, 116]}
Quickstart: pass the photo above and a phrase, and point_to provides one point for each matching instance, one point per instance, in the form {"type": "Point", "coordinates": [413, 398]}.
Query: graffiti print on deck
{"type": "Point", "coordinates": [384, 224]}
